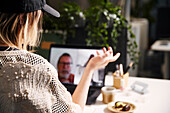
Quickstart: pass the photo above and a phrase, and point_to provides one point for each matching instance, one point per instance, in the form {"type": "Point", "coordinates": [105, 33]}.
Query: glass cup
{"type": "Point", "coordinates": [108, 93]}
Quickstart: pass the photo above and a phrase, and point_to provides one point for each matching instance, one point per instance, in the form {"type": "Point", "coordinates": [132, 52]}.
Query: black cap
{"type": "Point", "coordinates": [26, 6]}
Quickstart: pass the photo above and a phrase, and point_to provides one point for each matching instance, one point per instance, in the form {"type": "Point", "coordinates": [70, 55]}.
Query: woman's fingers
{"type": "Point", "coordinates": [102, 60]}
{"type": "Point", "coordinates": [115, 57]}
{"type": "Point", "coordinates": [109, 59]}
{"type": "Point", "coordinates": [109, 54]}
{"type": "Point", "coordinates": [110, 49]}
{"type": "Point", "coordinates": [104, 50]}
{"type": "Point", "coordinates": [97, 52]}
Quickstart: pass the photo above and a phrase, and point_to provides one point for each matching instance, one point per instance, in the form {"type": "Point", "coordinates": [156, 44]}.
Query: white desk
{"type": "Point", "coordinates": [157, 100]}
{"type": "Point", "coordinates": [163, 45]}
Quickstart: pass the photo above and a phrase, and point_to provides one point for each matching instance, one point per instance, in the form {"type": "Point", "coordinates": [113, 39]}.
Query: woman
{"type": "Point", "coordinates": [29, 83]}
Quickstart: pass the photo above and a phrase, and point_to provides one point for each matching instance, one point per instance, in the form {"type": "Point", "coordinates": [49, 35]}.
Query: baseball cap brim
{"type": "Point", "coordinates": [51, 11]}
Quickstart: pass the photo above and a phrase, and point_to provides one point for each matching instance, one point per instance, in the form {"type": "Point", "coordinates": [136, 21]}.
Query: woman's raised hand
{"type": "Point", "coordinates": [101, 60]}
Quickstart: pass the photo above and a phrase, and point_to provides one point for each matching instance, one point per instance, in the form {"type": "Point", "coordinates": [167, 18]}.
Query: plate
{"type": "Point", "coordinates": [111, 107]}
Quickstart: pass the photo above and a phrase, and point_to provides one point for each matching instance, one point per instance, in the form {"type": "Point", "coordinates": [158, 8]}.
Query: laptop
{"type": "Point", "coordinates": [80, 56]}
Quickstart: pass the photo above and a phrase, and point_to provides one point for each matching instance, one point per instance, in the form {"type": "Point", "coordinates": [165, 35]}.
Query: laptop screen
{"type": "Point", "coordinates": [70, 62]}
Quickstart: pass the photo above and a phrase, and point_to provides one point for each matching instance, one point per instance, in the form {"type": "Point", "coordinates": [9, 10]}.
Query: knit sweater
{"type": "Point", "coordinates": [29, 84]}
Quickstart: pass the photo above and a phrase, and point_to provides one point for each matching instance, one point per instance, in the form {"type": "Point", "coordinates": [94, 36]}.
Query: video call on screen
{"type": "Point", "coordinates": [71, 65]}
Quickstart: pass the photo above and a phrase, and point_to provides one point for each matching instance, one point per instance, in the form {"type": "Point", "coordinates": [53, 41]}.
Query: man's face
{"type": "Point", "coordinates": [64, 66]}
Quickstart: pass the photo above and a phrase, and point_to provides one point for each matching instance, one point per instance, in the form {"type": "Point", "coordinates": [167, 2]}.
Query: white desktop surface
{"type": "Point", "coordinates": [164, 46]}
{"type": "Point", "coordinates": [156, 100]}
{"type": "Point", "coordinates": [161, 45]}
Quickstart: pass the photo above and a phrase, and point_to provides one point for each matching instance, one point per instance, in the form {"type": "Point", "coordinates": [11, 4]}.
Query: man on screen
{"type": "Point", "coordinates": [64, 68]}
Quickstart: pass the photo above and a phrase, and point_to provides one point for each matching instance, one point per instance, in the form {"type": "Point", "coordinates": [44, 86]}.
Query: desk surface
{"type": "Point", "coordinates": [161, 45]}
{"type": "Point", "coordinates": [156, 100]}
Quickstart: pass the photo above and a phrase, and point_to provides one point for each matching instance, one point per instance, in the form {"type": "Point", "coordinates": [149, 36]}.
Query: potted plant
{"type": "Point", "coordinates": [104, 26]}
{"type": "Point", "coordinates": [102, 22]}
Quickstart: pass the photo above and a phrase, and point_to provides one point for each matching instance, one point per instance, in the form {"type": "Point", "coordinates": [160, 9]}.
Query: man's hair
{"type": "Point", "coordinates": [17, 34]}
{"type": "Point", "coordinates": [64, 54]}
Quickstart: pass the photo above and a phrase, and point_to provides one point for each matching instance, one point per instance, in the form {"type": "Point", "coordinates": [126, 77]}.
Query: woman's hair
{"type": "Point", "coordinates": [20, 31]}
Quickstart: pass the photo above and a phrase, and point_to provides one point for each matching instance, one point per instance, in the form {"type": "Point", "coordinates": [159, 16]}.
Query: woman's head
{"type": "Point", "coordinates": [20, 30]}
{"type": "Point", "coordinates": [21, 21]}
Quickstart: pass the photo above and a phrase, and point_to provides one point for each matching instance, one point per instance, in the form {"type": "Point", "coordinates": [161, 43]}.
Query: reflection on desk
{"type": "Point", "coordinates": [156, 100]}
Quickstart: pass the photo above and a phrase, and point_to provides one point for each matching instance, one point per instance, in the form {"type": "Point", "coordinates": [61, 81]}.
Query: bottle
{"type": "Point", "coordinates": [108, 79]}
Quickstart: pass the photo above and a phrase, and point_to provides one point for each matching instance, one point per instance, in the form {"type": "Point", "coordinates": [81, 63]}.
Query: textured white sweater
{"type": "Point", "coordinates": [29, 84]}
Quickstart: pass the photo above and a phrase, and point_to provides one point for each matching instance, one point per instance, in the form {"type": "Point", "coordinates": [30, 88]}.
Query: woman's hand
{"type": "Point", "coordinates": [80, 94]}
{"type": "Point", "coordinates": [101, 60]}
